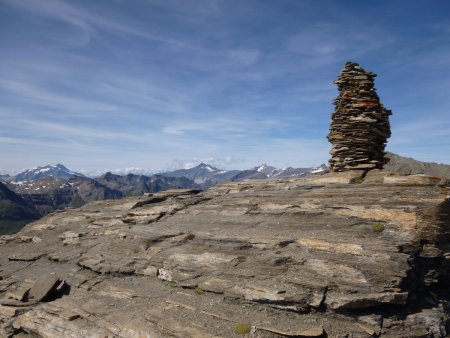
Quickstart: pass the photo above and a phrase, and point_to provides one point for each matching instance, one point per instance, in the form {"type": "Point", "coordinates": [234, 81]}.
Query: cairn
{"type": "Point", "coordinates": [360, 123]}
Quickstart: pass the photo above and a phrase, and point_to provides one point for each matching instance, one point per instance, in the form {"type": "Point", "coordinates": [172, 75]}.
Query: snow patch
{"type": "Point", "coordinates": [318, 170]}
{"type": "Point", "coordinates": [221, 172]}
{"type": "Point", "coordinates": [19, 182]}
{"type": "Point", "coordinates": [261, 168]}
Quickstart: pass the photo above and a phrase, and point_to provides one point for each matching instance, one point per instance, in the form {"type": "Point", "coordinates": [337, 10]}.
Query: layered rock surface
{"type": "Point", "coordinates": [284, 258]}
{"type": "Point", "coordinates": [360, 123]}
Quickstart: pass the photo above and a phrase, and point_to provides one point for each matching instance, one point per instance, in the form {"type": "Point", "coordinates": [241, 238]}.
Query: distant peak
{"type": "Point", "coordinates": [58, 171]}
{"type": "Point", "coordinates": [206, 166]}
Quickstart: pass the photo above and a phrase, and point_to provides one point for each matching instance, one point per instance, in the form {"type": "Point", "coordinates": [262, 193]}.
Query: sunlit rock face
{"type": "Point", "coordinates": [359, 124]}
{"type": "Point", "coordinates": [325, 256]}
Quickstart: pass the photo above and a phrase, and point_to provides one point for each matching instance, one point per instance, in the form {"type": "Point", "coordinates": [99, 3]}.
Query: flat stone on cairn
{"type": "Point", "coordinates": [360, 123]}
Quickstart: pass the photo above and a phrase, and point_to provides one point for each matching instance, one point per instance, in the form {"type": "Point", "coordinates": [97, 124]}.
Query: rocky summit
{"type": "Point", "coordinates": [327, 256]}
{"type": "Point", "coordinates": [360, 123]}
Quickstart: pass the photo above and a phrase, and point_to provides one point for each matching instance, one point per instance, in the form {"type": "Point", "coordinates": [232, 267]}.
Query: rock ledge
{"type": "Point", "coordinates": [328, 256]}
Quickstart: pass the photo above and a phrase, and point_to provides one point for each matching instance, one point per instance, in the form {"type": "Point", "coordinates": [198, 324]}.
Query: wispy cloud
{"type": "Point", "coordinates": [97, 85]}
{"type": "Point", "coordinates": [86, 21]}
{"type": "Point", "coordinates": [325, 43]}
{"type": "Point", "coordinates": [46, 98]}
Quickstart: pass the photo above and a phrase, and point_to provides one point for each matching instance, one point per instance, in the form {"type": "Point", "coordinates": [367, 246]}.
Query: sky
{"type": "Point", "coordinates": [163, 84]}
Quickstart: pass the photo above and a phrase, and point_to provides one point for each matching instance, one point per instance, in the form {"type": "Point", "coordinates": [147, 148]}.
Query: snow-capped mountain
{"type": "Point", "coordinates": [265, 171]}
{"type": "Point", "coordinates": [299, 172]}
{"type": "Point", "coordinates": [57, 171]}
{"type": "Point", "coordinates": [323, 168]}
{"type": "Point", "coordinates": [204, 174]}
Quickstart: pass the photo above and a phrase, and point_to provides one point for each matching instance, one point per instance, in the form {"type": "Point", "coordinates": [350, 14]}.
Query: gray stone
{"type": "Point", "coordinates": [360, 123]}
{"type": "Point", "coordinates": [291, 257]}
{"type": "Point", "coordinates": [44, 287]}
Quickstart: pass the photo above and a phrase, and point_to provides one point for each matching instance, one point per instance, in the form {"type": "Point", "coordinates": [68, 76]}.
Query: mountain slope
{"type": "Point", "coordinates": [5, 177]}
{"type": "Point", "coordinates": [137, 185]}
{"type": "Point", "coordinates": [406, 165]}
{"type": "Point", "coordinates": [14, 207]}
{"type": "Point", "coordinates": [49, 194]}
{"type": "Point", "coordinates": [15, 212]}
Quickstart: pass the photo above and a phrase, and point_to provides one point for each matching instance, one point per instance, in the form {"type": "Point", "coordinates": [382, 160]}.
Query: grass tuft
{"type": "Point", "coordinates": [378, 227]}
{"type": "Point", "coordinates": [190, 237]}
{"type": "Point", "coordinates": [242, 328]}
{"type": "Point", "coordinates": [358, 180]}
{"type": "Point", "coordinates": [199, 291]}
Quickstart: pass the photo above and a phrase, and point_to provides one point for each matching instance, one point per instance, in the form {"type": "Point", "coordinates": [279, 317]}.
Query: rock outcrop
{"type": "Point", "coordinates": [360, 123]}
{"type": "Point", "coordinates": [406, 165]}
{"type": "Point", "coordinates": [317, 257]}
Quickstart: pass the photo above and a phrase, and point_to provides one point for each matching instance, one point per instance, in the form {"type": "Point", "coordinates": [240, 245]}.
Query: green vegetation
{"type": "Point", "coordinates": [378, 227]}
{"type": "Point", "coordinates": [242, 328]}
{"type": "Point", "coordinates": [190, 237]}
{"type": "Point", "coordinates": [358, 180]}
{"type": "Point", "coordinates": [199, 291]}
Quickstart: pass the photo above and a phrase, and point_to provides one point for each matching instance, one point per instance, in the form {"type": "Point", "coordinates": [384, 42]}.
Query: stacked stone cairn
{"type": "Point", "coordinates": [360, 123]}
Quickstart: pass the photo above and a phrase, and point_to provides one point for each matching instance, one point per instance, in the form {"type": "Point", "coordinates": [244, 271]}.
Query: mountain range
{"type": "Point", "coordinates": [36, 192]}
{"type": "Point", "coordinates": [39, 191]}
{"type": "Point", "coordinates": [207, 176]}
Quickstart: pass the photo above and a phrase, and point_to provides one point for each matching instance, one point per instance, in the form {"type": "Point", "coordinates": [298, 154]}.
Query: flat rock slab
{"type": "Point", "coordinates": [26, 257]}
{"type": "Point", "coordinates": [281, 258]}
{"type": "Point", "coordinates": [44, 287]}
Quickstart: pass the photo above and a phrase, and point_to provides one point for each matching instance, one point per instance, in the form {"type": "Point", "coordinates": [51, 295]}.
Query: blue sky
{"type": "Point", "coordinates": [100, 85]}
